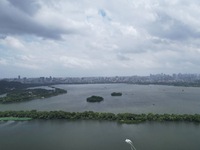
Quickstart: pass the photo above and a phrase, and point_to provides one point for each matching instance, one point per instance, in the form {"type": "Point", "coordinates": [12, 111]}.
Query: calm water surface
{"type": "Point", "coordinates": [135, 98]}
{"type": "Point", "coordinates": [95, 135]}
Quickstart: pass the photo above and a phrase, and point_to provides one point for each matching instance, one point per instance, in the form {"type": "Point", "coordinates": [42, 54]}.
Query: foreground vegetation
{"type": "Point", "coordinates": [90, 115]}
{"type": "Point", "coordinates": [30, 94]}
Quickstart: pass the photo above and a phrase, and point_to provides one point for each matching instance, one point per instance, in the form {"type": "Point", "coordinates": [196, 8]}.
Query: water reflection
{"type": "Point", "coordinates": [135, 99]}
{"type": "Point", "coordinates": [98, 135]}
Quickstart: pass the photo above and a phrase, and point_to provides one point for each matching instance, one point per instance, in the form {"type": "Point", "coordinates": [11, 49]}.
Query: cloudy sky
{"type": "Point", "coordinates": [63, 38]}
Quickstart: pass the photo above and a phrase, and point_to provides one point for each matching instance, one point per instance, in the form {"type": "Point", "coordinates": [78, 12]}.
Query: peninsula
{"type": "Point", "coordinates": [30, 94]}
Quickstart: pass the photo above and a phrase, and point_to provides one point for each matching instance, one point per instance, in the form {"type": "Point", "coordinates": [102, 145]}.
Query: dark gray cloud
{"type": "Point", "coordinates": [122, 57]}
{"type": "Point", "coordinates": [2, 36]}
{"type": "Point", "coordinates": [28, 6]}
{"type": "Point", "coordinates": [170, 28]}
{"type": "Point", "coordinates": [13, 21]}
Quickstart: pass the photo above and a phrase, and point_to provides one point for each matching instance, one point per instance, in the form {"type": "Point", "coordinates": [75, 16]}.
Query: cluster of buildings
{"type": "Point", "coordinates": [152, 78]}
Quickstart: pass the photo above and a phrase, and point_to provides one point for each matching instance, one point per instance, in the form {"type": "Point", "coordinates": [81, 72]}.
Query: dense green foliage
{"type": "Point", "coordinates": [9, 86]}
{"type": "Point", "coordinates": [30, 94]}
{"type": "Point", "coordinates": [95, 99]}
{"type": "Point", "coordinates": [116, 94]}
{"type": "Point", "coordinates": [6, 86]}
{"type": "Point", "coordinates": [90, 115]}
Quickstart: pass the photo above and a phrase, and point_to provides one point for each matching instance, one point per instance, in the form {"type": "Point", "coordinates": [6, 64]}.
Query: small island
{"type": "Point", "coordinates": [94, 99]}
{"type": "Point", "coordinates": [116, 94]}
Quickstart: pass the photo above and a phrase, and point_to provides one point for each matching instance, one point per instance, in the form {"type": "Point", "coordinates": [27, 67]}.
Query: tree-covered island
{"type": "Point", "coordinates": [90, 115]}
{"type": "Point", "coordinates": [21, 95]}
{"type": "Point", "coordinates": [116, 94]}
{"type": "Point", "coordinates": [93, 99]}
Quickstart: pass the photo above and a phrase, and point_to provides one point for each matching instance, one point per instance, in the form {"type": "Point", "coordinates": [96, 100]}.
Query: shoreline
{"type": "Point", "coordinates": [14, 119]}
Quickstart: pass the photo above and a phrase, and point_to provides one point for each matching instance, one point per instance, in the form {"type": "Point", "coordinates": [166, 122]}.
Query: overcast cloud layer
{"type": "Point", "coordinates": [98, 38]}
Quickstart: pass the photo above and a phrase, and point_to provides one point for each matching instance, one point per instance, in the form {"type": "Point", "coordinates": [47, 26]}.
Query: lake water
{"type": "Point", "coordinates": [95, 135]}
{"type": "Point", "coordinates": [105, 135]}
{"type": "Point", "coordinates": [135, 99]}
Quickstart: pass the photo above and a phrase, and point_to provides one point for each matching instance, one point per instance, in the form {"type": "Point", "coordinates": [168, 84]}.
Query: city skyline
{"type": "Point", "coordinates": [166, 79]}
{"type": "Point", "coordinates": [98, 38]}
{"type": "Point", "coordinates": [134, 75]}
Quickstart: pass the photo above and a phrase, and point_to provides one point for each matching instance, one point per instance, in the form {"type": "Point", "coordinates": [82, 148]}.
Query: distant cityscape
{"type": "Point", "coordinates": [152, 78]}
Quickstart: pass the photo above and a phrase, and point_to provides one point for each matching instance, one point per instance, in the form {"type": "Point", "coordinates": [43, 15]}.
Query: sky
{"type": "Point", "coordinates": [76, 38]}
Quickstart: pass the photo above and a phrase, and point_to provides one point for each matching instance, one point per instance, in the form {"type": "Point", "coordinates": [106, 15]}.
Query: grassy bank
{"type": "Point", "coordinates": [14, 119]}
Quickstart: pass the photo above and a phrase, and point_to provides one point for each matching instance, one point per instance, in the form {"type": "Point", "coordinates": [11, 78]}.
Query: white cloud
{"type": "Point", "coordinates": [100, 37]}
{"type": "Point", "coordinates": [71, 62]}
{"type": "Point", "coordinates": [13, 42]}
{"type": "Point", "coordinates": [3, 62]}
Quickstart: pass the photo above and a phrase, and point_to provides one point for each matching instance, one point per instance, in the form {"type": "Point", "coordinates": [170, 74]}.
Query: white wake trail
{"type": "Point", "coordinates": [131, 143]}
